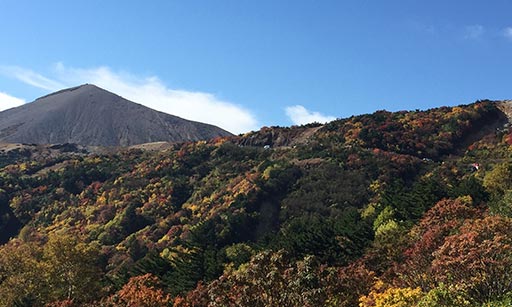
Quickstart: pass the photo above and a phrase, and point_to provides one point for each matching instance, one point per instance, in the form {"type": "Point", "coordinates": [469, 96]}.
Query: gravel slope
{"type": "Point", "coordinates": [89, 115]}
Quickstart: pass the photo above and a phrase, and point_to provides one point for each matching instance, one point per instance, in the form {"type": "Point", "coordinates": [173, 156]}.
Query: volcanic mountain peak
{"type": "Point", "coordinates": [89, 115]}
{"type": "Point", "coordinates": [71, 89]}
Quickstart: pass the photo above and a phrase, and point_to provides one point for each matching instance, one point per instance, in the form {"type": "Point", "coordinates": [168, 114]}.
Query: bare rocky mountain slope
{"type": "Point", "coordinates": [89, 115]}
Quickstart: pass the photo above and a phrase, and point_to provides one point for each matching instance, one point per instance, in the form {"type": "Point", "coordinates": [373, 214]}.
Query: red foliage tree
{"type": "Point", "coordinates": [442, 220]}
{"type": "Point", "coordinates": [478, 258]}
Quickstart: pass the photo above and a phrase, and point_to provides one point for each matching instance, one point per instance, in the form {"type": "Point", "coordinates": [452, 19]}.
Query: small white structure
{"type": "Point", "coordinates": [475, 167]}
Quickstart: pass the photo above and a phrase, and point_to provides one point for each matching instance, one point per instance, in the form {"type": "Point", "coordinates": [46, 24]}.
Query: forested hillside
{"type": "Point", "coordinates": [385, 209]}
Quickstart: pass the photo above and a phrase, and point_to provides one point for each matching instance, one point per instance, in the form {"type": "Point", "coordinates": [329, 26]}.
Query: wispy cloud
{"type": "Point", "coordinates": [7, 101]}
{"type": "Point", "coordinates": [30, 77]}
{"type": "Point", "coordinates": [299, 115]}
{"type": "Point", "coordinates": [422, 28]}
{"type": "Point", "coordinates": [149, 91]}
{"type": "Point", "coordinates": [474, 32]}
{"type": "Point", "coordinates": [507, 32]}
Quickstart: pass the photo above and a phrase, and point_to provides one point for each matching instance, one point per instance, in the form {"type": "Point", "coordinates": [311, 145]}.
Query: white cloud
{"type": "Point", "coordinates": [507, 32]}
{"type": "Point", "coordinates": [151, 92]}
{"type": "Point", "coordinates": [8, 101]}
{"type": "Point", "coordinates": [299, 115]}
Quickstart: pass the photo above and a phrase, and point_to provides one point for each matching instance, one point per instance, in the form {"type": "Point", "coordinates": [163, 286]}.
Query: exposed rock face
{"type": "Point", "coordinates": [89, 115]}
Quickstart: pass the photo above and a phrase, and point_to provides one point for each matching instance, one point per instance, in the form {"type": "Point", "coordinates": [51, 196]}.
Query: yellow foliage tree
{"type": "Point", "coordinates": [383, 296]}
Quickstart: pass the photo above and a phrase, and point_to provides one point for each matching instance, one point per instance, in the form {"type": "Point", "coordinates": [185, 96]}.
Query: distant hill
{"type": "Point", "coordinates": [89, 115]}
{"type": "Point", "coordinates": [409, 208]}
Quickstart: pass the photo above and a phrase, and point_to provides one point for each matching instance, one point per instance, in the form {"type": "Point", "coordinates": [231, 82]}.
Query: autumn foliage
{"type": "Point", "coordinates": [383, 209]}
{"type": "Point", "coordinates": [140, 291]}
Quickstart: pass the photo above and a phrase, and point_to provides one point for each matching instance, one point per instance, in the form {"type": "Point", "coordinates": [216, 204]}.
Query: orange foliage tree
{"type": "Point", "coordinates": [140, 291]}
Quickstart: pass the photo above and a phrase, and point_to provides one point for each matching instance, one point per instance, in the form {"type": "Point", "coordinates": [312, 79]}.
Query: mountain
{"type": "Point", "coordinates": [409, 208]}
{"type": "Point", "coordinates": [89, 115]}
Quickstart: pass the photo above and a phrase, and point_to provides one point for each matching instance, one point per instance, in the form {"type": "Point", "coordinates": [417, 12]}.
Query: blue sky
{"type": "Point", "coordinates": [244, 64]}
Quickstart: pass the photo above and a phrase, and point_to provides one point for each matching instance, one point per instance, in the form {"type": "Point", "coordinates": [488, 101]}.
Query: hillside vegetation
{"type": "Point", "coordinates": [385, 209]}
